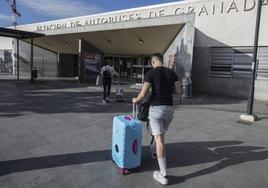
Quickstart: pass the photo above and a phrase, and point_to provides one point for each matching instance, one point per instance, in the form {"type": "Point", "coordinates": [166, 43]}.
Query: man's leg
{"type": "Point", "coordinates": [109, 88]}
{"type": "Point", "coordinates": [158, 130]}
{"type": "Point", "coordinates": [161, 153]}
{"type": "Point", "coordinates": [104, 90]}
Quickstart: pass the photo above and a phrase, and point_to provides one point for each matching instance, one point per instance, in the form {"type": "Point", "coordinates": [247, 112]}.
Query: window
{"type": "Point", "coordinates": [263, 63]}
{"type": "Point", "coordinates": [242, 62]}
{"type": "Point", "coordinates": [230, 62]}
{"type": "Point", "coordinates": [221, 60]}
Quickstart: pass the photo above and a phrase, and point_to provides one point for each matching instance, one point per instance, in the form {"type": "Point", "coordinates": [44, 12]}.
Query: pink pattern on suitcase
{"type": "Point", "coordinates": [129, 118]}
{"type": "Point", "coordinates": [135, 146]}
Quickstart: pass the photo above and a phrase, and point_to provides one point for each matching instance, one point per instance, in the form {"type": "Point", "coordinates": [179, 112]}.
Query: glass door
{"type": "Point", "coordinates": [131, 69]}
{"type": "Point", "coordinates": [138, 71]}
{"type": "Point", "coordinates": [147, 64]}
{"type": "Point", "coordinates": [125, 69]}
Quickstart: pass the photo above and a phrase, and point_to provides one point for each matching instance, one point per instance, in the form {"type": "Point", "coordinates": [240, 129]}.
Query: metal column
{"type": "Point", "coordinates": [31, 60]}
{"type": "Point", "coordinates": [254, 63]}
{"type": "Point", "coordinates": [18, 60]}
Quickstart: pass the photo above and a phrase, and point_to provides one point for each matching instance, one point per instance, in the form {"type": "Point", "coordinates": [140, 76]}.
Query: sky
{"type": "Point", "coordinates": [33, 11]}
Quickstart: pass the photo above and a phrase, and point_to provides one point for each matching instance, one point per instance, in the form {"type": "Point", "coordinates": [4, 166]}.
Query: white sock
{"type": "Point", "coordinates": [162, 165]}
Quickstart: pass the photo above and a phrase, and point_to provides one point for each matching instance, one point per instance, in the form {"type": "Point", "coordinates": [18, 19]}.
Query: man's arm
{"type": "Point", "coordinates": [114, 72]}
{"type": "Point", "coordinates": [177, 88]}
{"type": "Point", "coordinates": [102, 69]}
{"type": "Point", "coordinates": [145, 89]}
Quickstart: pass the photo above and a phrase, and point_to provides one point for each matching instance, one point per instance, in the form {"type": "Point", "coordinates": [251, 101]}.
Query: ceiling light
{"type": "Point", "coordinates": [141, 41]}
{"type": "Point", "coordinates": [108, 40]}
{"type": "Point", "coordinates": [67, 44]}
{"type": "Point", "coordinates": [46, 42]}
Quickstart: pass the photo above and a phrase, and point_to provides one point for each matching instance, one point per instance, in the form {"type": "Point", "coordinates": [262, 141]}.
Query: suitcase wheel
{"type": "Point", "coordinates": [123, 171]}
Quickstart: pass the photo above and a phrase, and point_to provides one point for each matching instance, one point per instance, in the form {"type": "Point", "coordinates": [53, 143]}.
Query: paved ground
{"type": "Point", "coordinates": [59, 135]}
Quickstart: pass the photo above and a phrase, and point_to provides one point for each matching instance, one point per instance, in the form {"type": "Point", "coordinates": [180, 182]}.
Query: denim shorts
{"type": "Point", "coordinates": [160, 118]}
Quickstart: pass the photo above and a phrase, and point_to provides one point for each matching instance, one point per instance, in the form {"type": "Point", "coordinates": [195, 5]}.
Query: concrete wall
{"type": "Point", "coordinates": [233, 29]}
{"type": "Point", "coordinates": [5, 43]}
{"type": "Point", "coordinates": [44, 60]}
{"type": "Point", "coordinates": [203, 83]}
{"type": "Point", "coordinates": [261, 90]}
{"type": "Point", "coordinates": [234, 26]}
{"type": "Point", "coordinates": [182, 49]}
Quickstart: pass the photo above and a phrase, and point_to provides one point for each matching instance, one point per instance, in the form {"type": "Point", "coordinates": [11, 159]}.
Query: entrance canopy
{"type": "Point", "coordinates": [82, 50]}
{"type": "Point", "coordinates": [14, 33]}
{"type": "Point", "coordinates": [145, 36]}
{"type": "Point", "coordinates": [145, 40]}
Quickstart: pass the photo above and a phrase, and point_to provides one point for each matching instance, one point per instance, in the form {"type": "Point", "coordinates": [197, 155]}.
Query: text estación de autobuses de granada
{"type": "Point", "coordinates": [213, 8]}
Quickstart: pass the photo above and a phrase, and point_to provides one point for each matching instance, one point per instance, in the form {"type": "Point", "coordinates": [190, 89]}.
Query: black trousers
{"type": "Point", "coordinates": [106, 88]}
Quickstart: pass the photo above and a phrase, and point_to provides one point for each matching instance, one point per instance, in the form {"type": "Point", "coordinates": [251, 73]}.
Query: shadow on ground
{"type": "Point", "coordinates": [224, 153]}
{"type": "Point", "coordinates": [20, 98]}
{"type": "Point", "coordinates": [23, 98]}
{"type": "Point", "coordinates": [60, 102]}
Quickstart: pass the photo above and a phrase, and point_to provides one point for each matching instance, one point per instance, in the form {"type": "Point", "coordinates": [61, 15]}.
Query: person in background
{"type": "Point", "coordinates": [162, 81]}
{"type": "Point", "coordinates": [107, 72]}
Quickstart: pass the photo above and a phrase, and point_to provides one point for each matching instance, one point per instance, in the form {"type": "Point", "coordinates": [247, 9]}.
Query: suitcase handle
{"type": "Point", "coordinates": [134, 111]}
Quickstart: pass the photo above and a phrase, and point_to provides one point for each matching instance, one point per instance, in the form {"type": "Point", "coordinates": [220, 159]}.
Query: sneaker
{"type": "Point", "coordinates": [104, 101]}
{"type": "Point", "coordinates": [107, 99]}
{"type": "Point", "coordinates": [160, 178]}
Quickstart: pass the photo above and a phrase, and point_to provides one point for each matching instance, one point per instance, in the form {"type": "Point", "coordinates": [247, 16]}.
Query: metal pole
{"type": "Point", "coordinates": [254, 63]}
{"type": "Point", "coordinates": [18, 60]}
{"type": "Point", "coordinates": [31, 60]}
{"type": "Point", "coordinates": [81, 51]}
{"type": "Point", "coordinates": [142, 78]}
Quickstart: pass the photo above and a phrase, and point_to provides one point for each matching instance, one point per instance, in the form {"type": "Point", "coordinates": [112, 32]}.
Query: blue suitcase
{"type": "Point", "coordinates": [126, 142]}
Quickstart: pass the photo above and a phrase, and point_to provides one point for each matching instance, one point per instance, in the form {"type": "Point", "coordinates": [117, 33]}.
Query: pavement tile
{"type": "Point", "coordinates": [14, 151]}
{"type": "Point", "coordinates": [29, 179]}
{"type": "Point", "coordinates": [59, 135]}
{"type": "Point", "coordinates": [6, 182]}
{"type": "Point", "coordinates": [16, 127]}
{"type": "Point", "coordinates": [31, 140]}
{"type": "Point", "coordinates": [6, 139]}
{"type": "Point", "coordinates": [44, 150]}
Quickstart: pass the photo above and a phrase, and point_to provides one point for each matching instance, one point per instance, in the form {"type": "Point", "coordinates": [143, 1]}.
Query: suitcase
{"type": "Point", "coordinates": [127, 142]}
{"type": "Point", "coordinates": [119, 92]}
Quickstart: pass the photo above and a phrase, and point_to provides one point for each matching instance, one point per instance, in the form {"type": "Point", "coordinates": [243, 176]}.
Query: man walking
{"type": "Point", "coordinates": [162, 81]}
{"type": "Point", "coordinates": [107, 71]}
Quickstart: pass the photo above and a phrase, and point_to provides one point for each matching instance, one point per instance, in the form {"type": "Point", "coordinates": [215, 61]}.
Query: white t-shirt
{"type": "Point", "coordinates": [110, 69]}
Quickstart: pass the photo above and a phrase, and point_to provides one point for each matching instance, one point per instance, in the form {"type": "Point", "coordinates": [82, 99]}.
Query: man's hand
{"type": "Point", "coordinates": [145, 89]}
{"type": "Point", "coordinates": [134, 100]}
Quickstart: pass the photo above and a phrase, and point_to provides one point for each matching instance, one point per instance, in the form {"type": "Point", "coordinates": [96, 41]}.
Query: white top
{"type": "Point", "coordinates": [110, 69]}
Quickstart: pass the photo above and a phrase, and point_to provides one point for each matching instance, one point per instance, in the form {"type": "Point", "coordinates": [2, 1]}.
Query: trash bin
{"type": "Point", "coordinates": [186, 87]}
{"type": "Point", "coordinates": [34, 74]}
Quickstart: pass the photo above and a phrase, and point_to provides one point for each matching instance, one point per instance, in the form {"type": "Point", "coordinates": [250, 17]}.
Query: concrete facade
{"type": "Point", "coordinates": [6, 43]}
{"type": "Point", "coordinates": [184, 24]}
{"type": "Point", "coordinates": [182, 51]}
{"type": "Point", "coordinates": [212, 17]}
{"type": "Point", "coordinates": [217, 23]}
